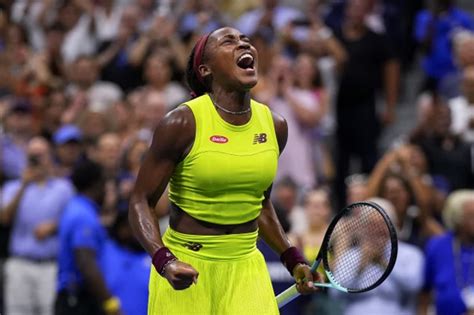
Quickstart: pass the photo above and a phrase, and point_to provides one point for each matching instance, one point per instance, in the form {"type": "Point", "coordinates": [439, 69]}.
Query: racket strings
{"type": "Point", "coordinates": [359, 249]}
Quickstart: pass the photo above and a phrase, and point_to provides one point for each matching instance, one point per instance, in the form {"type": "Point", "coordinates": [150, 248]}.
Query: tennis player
{"type": "Point", "coordinates": [219, 153]}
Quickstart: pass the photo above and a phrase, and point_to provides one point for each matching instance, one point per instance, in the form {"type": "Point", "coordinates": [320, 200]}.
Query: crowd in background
{"type": "Point", "coordinates": [85, 80]}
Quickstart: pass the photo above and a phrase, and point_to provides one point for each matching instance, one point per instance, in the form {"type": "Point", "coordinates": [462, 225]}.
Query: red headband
{"type": "Point", "coordinates": [198, 53]}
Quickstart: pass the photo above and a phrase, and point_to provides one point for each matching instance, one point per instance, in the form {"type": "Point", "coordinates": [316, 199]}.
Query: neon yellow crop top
{"type": "Point", "coordinates": [223, 177]}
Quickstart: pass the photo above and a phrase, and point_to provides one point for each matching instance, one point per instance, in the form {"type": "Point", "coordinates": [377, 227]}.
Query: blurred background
{"type": "Point", "coordinates": [379, 100]}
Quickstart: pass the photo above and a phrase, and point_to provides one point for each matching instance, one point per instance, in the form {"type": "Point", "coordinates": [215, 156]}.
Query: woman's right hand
{"type": "Point", "coordinates": [180, 275]}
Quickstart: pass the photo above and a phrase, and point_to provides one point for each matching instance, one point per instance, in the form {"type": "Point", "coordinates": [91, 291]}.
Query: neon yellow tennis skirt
{"type": "Point", "coordinates": [233, 277]}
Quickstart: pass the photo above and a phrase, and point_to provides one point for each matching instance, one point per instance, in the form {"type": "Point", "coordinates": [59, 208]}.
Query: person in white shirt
{"type": "Point", "coordinates": [397, 294]}
{"type": "Point", "coordinates": [462, 108]}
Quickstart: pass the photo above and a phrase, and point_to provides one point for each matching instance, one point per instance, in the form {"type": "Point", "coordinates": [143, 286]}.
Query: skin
{"type": "Point", "coordinates": [39, 174]}
{"type": "Point", "coordinates": [86, 258]}
{"type": "Point", "coordinates": [174, 136]}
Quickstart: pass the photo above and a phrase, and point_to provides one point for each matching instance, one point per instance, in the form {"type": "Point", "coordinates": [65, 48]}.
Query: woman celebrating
{"type": "Point", "coordinates": [219, 154]}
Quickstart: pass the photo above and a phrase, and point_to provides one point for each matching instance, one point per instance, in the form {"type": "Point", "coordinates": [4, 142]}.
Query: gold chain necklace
{"type": "Point", "coordinates": [229, 111]}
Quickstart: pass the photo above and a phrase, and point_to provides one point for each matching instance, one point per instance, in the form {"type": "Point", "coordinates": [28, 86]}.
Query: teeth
{"type": "Point", "coordinates": [246, 55]}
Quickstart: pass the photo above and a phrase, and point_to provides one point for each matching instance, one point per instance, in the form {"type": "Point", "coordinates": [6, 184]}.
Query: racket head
{"type": "Point", "coordinates": [359, 230]}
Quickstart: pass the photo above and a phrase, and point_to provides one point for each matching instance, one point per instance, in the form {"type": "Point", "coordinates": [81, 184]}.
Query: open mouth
{"type": "Point", "coordinates": [246, 61]}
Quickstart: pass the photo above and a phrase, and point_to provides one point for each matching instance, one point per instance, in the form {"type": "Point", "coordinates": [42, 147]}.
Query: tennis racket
{"type": "Point", "coordinates": [358, 251]}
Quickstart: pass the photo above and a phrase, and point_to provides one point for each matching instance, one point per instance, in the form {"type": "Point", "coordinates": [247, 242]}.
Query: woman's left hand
{"type": "Point", "coordinates": [305, 279]}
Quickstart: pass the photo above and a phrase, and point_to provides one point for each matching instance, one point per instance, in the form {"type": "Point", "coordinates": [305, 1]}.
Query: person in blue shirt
{"type": "Point", "coordinates": [81, 285]}
{"type": "Point", "coordinates": [435, 29]}
{"type": "Point", "coordinates": [449, 263]}
{"type": "Point", "coordinates": [126, 267]}
{"type": "Point", "coordinates": [32, 207]}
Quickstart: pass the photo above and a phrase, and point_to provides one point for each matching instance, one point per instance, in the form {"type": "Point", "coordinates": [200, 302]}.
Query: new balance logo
{"type": "Point", "coordinates": [259, 138]}
{"type": "Point", "coordinates": [193, 246]}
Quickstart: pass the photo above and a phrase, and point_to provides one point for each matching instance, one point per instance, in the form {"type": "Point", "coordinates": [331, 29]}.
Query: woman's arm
{"type": "Point", "coordinates": [270, 228]}
{"type": "Point", "coordinates": [172, 139]}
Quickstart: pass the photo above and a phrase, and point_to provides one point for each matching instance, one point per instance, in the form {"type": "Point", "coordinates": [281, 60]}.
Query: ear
{"type": "Point", "coordinates": [204, 70]}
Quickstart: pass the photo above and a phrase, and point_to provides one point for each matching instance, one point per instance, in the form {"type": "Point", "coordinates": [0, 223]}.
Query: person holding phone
{"type": "Point", "coordinates": [32, 206]}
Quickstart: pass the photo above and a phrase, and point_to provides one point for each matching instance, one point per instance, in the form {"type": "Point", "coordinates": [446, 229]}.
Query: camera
{"type": "Point", "coordinates": [34, 160]}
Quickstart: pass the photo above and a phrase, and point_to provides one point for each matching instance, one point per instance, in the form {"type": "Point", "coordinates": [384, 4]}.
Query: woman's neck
{"type": "Point", "coordinates": [232, 101]}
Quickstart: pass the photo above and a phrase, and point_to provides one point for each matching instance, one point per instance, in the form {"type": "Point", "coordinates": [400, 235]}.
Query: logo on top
{"type": "Point", "coordinates": [218, 139]}
{"type": "Point", "coordinates": [259, 138]}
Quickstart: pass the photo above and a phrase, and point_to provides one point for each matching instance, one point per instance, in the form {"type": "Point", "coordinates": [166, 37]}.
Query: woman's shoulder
{"type": "Point", "coordinates": [176, 130]}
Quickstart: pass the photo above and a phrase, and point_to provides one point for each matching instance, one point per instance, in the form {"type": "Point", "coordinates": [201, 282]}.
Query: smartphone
{"type": "Point", "coordinates": [34, 160]}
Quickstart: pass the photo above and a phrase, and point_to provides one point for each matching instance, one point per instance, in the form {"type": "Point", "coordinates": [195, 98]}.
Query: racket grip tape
{"type": "Point", "coordinates": [287, 296]}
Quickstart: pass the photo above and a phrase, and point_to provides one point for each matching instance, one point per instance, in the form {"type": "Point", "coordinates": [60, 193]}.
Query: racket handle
{"type": "Point", "coordinates": [315, 265]}
{"type": "Point", "coordinates": [287, 296]}
{"type": "Point", "coordinates": [292, 293]}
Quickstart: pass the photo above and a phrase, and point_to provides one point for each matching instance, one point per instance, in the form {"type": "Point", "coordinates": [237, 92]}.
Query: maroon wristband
{"type": "Point", "coordinates": [162, 258]}
{"type": "Point", "coordinates": [291, 257]}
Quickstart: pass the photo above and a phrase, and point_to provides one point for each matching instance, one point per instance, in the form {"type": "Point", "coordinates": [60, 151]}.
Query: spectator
{"type": "Point", "coordinates": [114, 54]}
{"type": "Point", "coordinates": [268, 19]}
{"type": "Point", "coordinates": [401, 178]}
{"type": "Point", "coordinates": [318, 212]}
{"type": "Point", "coordinates": [200, 17]}
{"type": "Point", "coordinates": [124, 122]}
{"type": "Point", "coordinates": [397, 294]}
{"type": "Point", "coordinates": [449, 260]}
{"type": "Point", "coordinates": [462, 108]}
{"type": "Point", "coordinates": [134, 154]}
{"type": "Point", "coordinates": [33, 205]}
{"type": "Point", "coordinates": [370, 61]}
{"type": "Point", "coordinates": [76, 17]}
{"type": "Point", "coordinates": [32, 16]}
{"type": "Point", "coordinates": [53, 111]}
{"type": "Point", "coordinates": [434, 31]}
{"type": "Point", "coordinates": [18, 132]}
{"type": "Point", "coordinates": [107, 17]}
{"type": "Point", "coordinates": [99, 95]}
{"type": "Point", "coordinates": [317, 208]}
{"type": "Point", "coordinates": [45, 69]}
{"type": "Point", "coordinates": [68, 149]}
{"type": "Point", "coordinates": [158, 75]}
{"type": "Point", "coordinates": [301, 109]}
{"type": "Point", "coordinates": [153, 108]}
{"type": "Point", "coordinates": [93, 125]}
{"type": "Point", "coordinates": [132, 159]}
{"type": "Point", "coordinates": [146, 14]}
{"type": "Point", "coordinates": [285, 201]}
{"type": "Point", "coordinates": [82, 244]}
{"type": "Point", "coordinates": [109, 149]}
{"type": "Point", "coordinates": [108, 154]}
{"type": "Point", "coordinates": [126, 268]}
{"type": "Point", "coordinates": [162, 37]}
{"type": "Point", "coordinates": [463, 49]}
{"type": "Point", "coordinates": [15, 53]}
{"type": "Point", "coordinates": [449, 157]}
{"type": "Point", "coordinates": [356, 188]}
